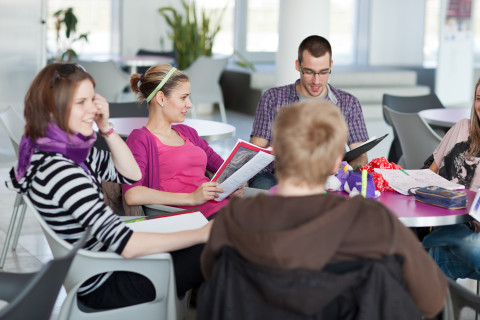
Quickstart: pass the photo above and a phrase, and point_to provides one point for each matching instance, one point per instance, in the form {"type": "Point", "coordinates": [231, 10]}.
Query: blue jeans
{"type": "Point", "coordinates": [263, 180]}
{"type": "Point", "coordinates": [456, 250]}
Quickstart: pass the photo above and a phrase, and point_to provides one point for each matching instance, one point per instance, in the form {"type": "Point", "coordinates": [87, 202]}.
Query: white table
{"type": "Point", "coordinates": [207, 129]}
{"type": "Point", "coordinates": [445, 117]}
{"type": "Point", "coordinates": [144, 61]}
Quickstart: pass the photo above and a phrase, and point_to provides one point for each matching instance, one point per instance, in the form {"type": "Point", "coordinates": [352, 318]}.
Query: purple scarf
{"type": "Point", "coordinates": [75, 147]}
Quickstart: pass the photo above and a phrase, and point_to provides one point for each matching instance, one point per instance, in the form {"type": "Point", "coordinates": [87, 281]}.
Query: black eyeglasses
{"type": "Point", "coordinates": [64, 70]}
{"type": "Point", "coordinates": [309, 73]}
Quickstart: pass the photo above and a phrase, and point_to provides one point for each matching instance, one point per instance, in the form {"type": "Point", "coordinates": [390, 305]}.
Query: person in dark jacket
{"type": "Point", "coordinates": [302, 229]}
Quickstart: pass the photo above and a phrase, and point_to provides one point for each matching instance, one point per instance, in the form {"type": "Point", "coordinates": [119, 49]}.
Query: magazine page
{"type": "Point", "coordinates": [244, 162]}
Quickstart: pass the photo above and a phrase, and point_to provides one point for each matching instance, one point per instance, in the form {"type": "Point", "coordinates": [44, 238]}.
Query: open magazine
{"type": "Point", "coordinates": [404, 180]}
{"type": "Point", "coordinates": [361, 149]}
{"type": "Point", "coordinates": [243, 162]}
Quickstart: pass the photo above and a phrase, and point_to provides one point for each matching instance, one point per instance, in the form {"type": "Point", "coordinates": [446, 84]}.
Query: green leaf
{"type": "Point", "coordinates": [70, 22]}
{"type": "Point", "coordinates": [243, 62]}
{"type": "Point", "coordinates": [192, 34]}
{"type": "Point", "coordinates": [66, 19]}
{"type": "Point", "coordinates": [68, 55]}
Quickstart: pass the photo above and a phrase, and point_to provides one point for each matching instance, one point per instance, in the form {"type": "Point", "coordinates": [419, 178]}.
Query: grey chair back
{"type": "Point", "coordinates": [122, 110]}
{"type": "Point", "coordinates": [128, 109]}
{"type": "Point", "coordinates": [405, 104]}
{"type": "Point", "coordinates": [33, 295]}
{"type": "Point", "coordinates": [417, 139]}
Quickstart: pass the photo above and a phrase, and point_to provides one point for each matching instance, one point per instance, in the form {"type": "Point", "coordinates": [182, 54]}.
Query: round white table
{"type": "Point", "coordinates": [144, 61]}
{"type": "Point", "coordinates": [207, 129]}
{"type": "Point", "coordinates": [445, 117]}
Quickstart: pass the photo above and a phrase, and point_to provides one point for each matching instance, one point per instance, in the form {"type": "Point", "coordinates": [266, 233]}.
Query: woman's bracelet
{"type": "Point", "coordinates": [109, 132]}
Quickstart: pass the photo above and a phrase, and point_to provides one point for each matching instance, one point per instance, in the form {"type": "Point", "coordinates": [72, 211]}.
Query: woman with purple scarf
{"type": "Point", "coordinates": [61, 172]}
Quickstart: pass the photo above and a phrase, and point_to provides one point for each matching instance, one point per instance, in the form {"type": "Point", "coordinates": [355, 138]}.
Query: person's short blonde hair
{"type": "Point", "coordinates": [308, 137]}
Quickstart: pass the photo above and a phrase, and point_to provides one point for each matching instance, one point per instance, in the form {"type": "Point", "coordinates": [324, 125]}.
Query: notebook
{"type": "Point", "coordinates": [361, 149]}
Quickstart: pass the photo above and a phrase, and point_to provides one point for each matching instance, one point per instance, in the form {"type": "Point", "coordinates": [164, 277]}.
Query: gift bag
{"type": "Point", "coordinates": [382, 163]}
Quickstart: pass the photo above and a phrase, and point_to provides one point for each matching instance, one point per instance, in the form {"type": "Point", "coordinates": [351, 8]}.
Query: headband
{"type": "Point", "coordinates": [160, 85]}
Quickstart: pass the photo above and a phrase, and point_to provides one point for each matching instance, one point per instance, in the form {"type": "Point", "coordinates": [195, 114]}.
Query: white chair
{"type": "Point", "coordinates": [204, 74]}
{"type": "Point", "coordinates": [110, 80]}
{"type": "Point", "coordinates": [417, 139]}
{"type": "Point", "coordinates": [14, 125]}
{"type": "Point", "coordinates": [158, 268]}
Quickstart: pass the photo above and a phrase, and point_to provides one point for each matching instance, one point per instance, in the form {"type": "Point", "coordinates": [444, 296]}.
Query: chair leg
{"type": "Point", "coordinates": [11, 226]}
{"type": "Point", "coordinates": [21, 217]}
{"type": "Point", "coordinates": [194, 112]}
{"type": "Point", "coordinates": [478, 289]}
{"type": "Point", "coordinates": [222, 112]}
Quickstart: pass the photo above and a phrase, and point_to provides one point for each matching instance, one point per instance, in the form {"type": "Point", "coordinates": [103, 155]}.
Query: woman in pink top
{"type": "Point", "coordinates": [173, 158]}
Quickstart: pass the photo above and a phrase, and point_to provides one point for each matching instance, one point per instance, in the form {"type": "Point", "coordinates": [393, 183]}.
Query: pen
{"type": "Point", "coordinates": [404, 172]}
{"type": "Point", "coordinates": [135, 220]}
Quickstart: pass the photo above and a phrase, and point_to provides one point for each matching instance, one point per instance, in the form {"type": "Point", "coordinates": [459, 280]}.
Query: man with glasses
{"type": "Point", "coordinates": [314, 64]}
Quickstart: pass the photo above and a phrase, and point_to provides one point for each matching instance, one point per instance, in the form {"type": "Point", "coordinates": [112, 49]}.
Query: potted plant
{"type": "Point", "coordinates": [66, 20]}
{"type": "Point", "coordinates": [191, 37]}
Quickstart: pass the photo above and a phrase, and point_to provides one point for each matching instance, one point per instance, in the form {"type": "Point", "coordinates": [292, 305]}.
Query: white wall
{"type": "Point", "coordinates": [22, 48]}
{"type": "Point", "coordinates": [454, 77]}
{"type": "Point", "coordinates": [298, 20]}
{"type": "Point", "coordinates": [396, 32]}
{"type": "Point", "coordinates": [142, 26]}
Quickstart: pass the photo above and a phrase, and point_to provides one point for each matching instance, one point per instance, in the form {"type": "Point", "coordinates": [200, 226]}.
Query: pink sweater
{"type": "Point", "coordinates": [179, 175]}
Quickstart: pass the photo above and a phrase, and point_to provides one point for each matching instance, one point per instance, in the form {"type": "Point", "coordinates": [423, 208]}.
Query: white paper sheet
{"type": "Point", "coordinates": [245, 173]}
{"type": "Point", "coordinates": [169, 224]}
{"type": "Point", "coordinates": [403, 180]}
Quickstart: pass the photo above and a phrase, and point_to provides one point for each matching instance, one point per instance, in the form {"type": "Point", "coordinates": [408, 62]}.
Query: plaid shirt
{"type": "Point", "coordinates": [276, 97]}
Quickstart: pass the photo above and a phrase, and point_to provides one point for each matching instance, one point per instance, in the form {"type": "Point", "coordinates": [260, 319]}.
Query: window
{"type": "Point", "coordinates": [248, 27]}
{"type": "Point", "coordinates": [432, 31]}
{"type": "Point", "coordinates": [262, 26]}
{"type": "Point", "coordinates": [476, 31]}
{"type": "Point", "coordinates": [341, 37]}
{"type": "Point", "coordinates": [256, 30]}
{"type": "Point", "coordinates": [223, 43]}
{"type": "Point", "coordinates": [94, 17]}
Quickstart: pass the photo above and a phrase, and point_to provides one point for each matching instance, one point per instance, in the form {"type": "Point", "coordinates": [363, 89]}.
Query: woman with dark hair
{"type": "Point", "coordinates": [61, 172]}
{"type": "Point", "coordinates": [456, 248]}
{"type": "Point", "coordinates": [172, 157]}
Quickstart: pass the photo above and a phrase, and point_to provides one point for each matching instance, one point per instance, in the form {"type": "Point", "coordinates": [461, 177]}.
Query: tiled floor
{"type": "Point", "coordinates": [33, 249]}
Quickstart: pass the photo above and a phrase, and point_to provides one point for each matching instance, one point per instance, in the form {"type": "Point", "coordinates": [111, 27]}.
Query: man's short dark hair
{"type": "Point", "coordinates": [316, 45]}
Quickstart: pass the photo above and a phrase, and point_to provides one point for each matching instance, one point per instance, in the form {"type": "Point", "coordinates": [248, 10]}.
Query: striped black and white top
{"type": "Point", "coordinates": [70, 199]}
